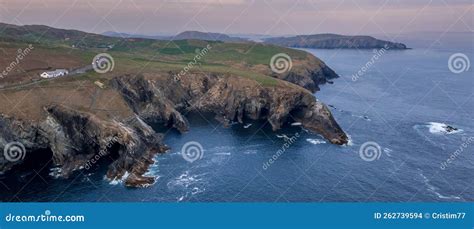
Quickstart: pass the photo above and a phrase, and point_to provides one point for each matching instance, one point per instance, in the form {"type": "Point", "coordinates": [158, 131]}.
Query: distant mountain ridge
{"type": "Point", "coordinates": [206, 36]}
{"type": "Point", "coordinates": [129, 35]}
{"type": "Point", "coordinates": [77, 38]}
{"type": "Point", "coordinates": [187, 35]}
{"type": "Point", "coordinates": [45, 33]}
{"type": "Point", "coordinates": [322, 41]}
{"type": "Point", "coordinates": [334, 41]}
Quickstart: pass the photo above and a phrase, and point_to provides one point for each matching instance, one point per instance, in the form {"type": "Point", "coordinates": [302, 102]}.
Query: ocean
{"type": "Point", "coordinates": [395, 108]}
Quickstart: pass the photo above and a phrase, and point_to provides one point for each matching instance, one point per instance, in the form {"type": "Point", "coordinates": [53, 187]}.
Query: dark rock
{"type": "Point", "coordinates": [450, 129]}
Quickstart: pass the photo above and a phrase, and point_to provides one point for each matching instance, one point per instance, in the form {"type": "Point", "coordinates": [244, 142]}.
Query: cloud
{"type": "Point", "coordinates": [243, 16]}
{"type": "Point", "coordinates": [220, 2]}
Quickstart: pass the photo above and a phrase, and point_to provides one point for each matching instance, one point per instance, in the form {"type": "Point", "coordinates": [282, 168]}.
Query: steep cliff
{"type": "Point", "coordinates": [78, 138]}
{"type": "Point", "coordinates": [229, 99]}
{"type": "Point", "coordinates": [309, 74]}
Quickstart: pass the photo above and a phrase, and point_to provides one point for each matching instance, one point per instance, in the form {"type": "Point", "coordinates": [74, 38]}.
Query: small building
{"type": "Point", "coordinates": [54, 74]}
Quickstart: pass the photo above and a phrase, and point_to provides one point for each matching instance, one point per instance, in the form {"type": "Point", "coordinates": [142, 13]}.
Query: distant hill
{"type": "Point", "coordinates": [333, 41]}
{"type": "Point", "coordinates": [187, 35]}
{"type": "Point", "coordinates": [49, 35]}
{"type": "Point", "coordinates": [31, 32]}
{"type": "Point", "coordinates": [128, 35]}
{"type": "Point", "coordinates": [206, 36]}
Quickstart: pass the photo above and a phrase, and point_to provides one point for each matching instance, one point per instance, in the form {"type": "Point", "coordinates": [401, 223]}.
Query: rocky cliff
{"type": "Point", "coordinates": [310, 74]}
{"type": "Point", "coordinates": [79, 138]}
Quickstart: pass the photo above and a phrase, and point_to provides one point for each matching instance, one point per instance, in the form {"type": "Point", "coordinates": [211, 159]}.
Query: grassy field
{"type": "Point", "coordinates": [73, 49]}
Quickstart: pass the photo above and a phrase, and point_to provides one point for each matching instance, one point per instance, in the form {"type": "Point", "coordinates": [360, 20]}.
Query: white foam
{"type": "Point", "coordinates": [55, 172]}
{"type": "Point", "coordinates": [296, 124]}
{"type": "Point", "coordinates": [187, 185]}
{"type": "Point", "coordinates": [349, 141]}
{"type": "Point", "coordinates": [315, 141]}
{"type": "Point", "coordinates": [420, 129]}
{"type": "Point", "coordinates": [225, 153]}
{"type": "Point", "coordinates": [431, 188]}
{"type": "Point", "coordinates": [283, 136]}
{"type": "Point", "coordinates": [222, 148]}
{"type": "Point", "coordinates": [118, 181]}
{"type": "Point", "coordinates": [188, 194]}
{"type": "Point", "coordinates": [184, 180]}
{"type": "Point", "coordinates": [441, 128]}
{"type": "Point", "coordinates": [196, 190]}
{"type": "Point", "coordinates": [248, 125]}
{"type": "Point", "coordinates": [153, 171]}
{"type": "Point", "coordinates": [250, 152]}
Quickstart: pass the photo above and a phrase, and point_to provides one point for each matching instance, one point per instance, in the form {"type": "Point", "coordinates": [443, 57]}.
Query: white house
{"type": "Point", "coordinates": [55, 73]}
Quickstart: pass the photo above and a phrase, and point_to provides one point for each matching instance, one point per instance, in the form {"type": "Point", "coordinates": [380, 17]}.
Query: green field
{"type": "Point", "coordinates": [135, 56]}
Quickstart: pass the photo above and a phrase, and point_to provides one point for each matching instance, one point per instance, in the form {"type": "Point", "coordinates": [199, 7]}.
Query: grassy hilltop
{"type": "Point", "coordinates": [58, 48]}
{"type": "Point", "coordinates": [70, 49]}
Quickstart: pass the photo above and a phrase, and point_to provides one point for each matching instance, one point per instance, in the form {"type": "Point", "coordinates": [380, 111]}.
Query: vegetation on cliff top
{"type": "Point", "coordinates": [70, 49]}
{"type": "Point", "coordinates": [136, 55]}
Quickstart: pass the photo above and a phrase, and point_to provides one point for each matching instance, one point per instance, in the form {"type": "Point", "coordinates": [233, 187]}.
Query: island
{"type": "Point", "coordinates": [334, 41]}
{"type": "Point", "coordinates": [111, 90]}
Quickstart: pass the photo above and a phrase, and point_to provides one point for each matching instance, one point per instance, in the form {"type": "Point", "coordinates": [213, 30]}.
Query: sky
{"type": "Point", "coordinates": [268, 17]}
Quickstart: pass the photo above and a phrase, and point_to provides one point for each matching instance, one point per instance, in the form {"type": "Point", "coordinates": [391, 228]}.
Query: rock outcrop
{"type": "Point", "coordinates": [312, 74]}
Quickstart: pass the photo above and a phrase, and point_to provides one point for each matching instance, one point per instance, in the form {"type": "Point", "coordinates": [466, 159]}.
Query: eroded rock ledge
{"type": "Point", "coordinates": [76, 137]}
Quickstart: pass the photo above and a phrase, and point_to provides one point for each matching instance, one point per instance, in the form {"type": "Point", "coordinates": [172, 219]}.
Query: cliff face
{"type": "Point", "coordinates": [310, 75]}
{"type": "Point", "coordinates": [230, 99]}
{"type": "Point", "coordinates": [334, 41]}
{"type": "Point", "coordinates": [78, 139]}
